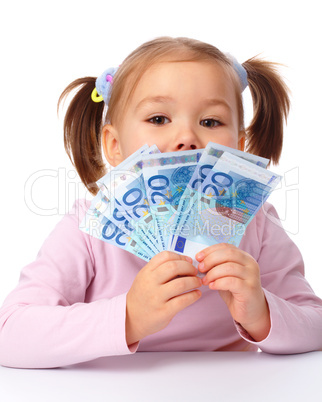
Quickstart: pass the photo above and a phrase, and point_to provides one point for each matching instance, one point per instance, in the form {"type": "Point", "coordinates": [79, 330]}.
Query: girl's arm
{"type": "Point", "coordinates": [295, 312]}
{"type": "Point", "coordinates": [47, 320]}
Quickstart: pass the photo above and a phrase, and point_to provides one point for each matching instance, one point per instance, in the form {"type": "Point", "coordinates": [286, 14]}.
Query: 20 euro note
{"type": "Point", "coordinates": [98, 226]}
{"type": "Point", "coordinates": [110, 207]}
{"type": "Point", "coordinates": [98, 215]}
{"type": "Point", "coordinates": [119, 213]}
{"type": "Point", "coordinates": [208, 159]}
{"type": "Point", "coordinates": [228, 199]}
{"type": "Point", "coordinates": [105, 211]}
{"type": "Point", "coordinates": [131, 196]}
{"type": "Point", "coordinates": [238, 188]}
{"type": "Point", "coordinates": [104, 202]}
{"type": "Point", "coordinates": [165, 177]}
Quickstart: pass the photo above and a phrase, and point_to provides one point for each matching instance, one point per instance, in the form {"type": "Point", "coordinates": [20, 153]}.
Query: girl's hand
{"type": "Point", "coordinates": [235, 274]}
{"type": "Point", "coordinates": [165, 286]}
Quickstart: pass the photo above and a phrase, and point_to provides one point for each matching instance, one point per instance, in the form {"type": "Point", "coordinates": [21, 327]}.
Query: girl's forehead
{"type": "Point", "coordinates": [198, 68]}
{"type": "Point", "coordinates": [196, 76]}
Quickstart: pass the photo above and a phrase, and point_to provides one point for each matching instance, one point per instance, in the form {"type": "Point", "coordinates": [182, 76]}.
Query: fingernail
{"type": "Point", "coordinates": [200, 256]}
{"type": "Point", "coordinates": [201, 266]}
{"type": "Point", "coordinates": [189, 259]}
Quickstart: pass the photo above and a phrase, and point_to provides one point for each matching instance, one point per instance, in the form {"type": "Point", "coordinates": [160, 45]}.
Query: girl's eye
{"type": "Point", "coordinates": [210, 123]}
{"type": "Point", "coordinates": [158, 120]}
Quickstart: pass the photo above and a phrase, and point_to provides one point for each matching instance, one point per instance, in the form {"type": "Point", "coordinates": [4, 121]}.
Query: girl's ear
{"type": "Point", "coordinates": [110, 144]}
{"type": "Point", "coordinates": [241, 140]}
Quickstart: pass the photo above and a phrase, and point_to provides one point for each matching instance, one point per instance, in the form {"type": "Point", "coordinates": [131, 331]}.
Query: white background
{"type": "Point", "coordinates": [46, 45]}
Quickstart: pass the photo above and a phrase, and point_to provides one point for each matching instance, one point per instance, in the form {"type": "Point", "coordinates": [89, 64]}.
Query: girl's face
{"type": "Point", "coordinates": [177, 106]}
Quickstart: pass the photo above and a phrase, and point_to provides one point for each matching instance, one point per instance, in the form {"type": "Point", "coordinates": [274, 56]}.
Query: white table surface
{"type": "Point", "coordinates": [179, 376]}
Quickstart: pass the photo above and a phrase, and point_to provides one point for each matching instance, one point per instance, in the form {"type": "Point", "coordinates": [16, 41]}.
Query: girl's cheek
{"type": "Point", "coordinates": [230, 142]}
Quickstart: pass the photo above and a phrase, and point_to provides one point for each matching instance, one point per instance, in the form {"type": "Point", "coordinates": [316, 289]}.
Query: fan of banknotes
{"type": "Point", "coordinates": [180, 201]}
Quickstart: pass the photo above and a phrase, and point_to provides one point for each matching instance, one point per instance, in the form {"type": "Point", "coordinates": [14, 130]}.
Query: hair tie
{"type": "Point", "coordinates": [240, 70]}
{"type": "Point", "coordinates": [103, 85]}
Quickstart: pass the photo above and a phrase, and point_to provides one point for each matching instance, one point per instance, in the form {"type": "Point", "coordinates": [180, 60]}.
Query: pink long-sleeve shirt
{"type": "Point", "coordinates": [70, 304]}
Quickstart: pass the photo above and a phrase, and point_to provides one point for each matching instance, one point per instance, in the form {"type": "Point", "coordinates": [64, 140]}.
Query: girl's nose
{"type": "Point", "coordinates": [186, 139]}
{"type": "Point", "coordinates": [183, 147]}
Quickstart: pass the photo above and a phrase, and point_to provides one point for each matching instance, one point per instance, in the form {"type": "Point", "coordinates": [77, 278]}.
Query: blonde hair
{"type": "Point", "coordinates": [84, 119]}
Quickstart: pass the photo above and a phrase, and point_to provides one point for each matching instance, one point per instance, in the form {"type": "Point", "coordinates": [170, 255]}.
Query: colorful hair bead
{"type": "Point", "coordinates": [103, 86]}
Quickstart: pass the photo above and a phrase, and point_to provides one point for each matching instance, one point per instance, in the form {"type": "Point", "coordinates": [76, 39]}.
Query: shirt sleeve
{"type": "Point", "coordinates": [295, 310]}
{"type": "Point", "coordinates": [45, 321]}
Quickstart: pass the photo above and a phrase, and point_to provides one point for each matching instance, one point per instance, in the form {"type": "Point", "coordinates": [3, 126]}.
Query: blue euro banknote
{"type": "Point", "coordinates": [105, 208]}
{"type": "Point", "coordinates": [130, 193]}
{"type": "Point", "coordinates": [207, 161]}
{"type": "Point", "coordinates": [97, 225]}
{"type": "Point", "coordinates": [225, 203]}
{"type": "Point", "coordinates": [165, 178]}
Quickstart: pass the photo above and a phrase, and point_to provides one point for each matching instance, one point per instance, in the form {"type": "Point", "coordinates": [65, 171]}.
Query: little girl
{"type": "Point", "coordinates": [83, 298]}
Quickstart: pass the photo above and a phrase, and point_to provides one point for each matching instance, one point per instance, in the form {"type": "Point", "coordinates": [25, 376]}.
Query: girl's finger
{"type": "Point", "coordinates": [180, 286]}
{"type": "Point", "coordinates": [208, 250]}
{"type": "Point", "coordinates": [166, 256]}
{"type": "Point", "coordinates": [176, 304]}
{"type": "Point", "coordinates": [172, 269]}
{"type": "Point", "coordinates": [229, 283]}
{"type": "Point", "coordinates": [229, 269]}
{"type": "Point", "coordinates": [221, 255]}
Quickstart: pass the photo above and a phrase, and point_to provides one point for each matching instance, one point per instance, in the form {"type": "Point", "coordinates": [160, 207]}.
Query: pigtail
{"type": "Point", "coordinates": [271, 105]}
{"type": "Point", "coordinates": [82, 132]}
